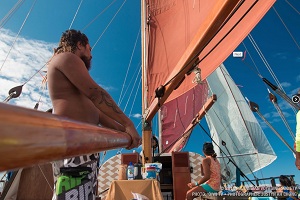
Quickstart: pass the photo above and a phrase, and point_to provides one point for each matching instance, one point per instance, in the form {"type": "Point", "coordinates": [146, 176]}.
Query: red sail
{"type": "Point", "coordinates": [172, 27]}
{"type": "Point", "coordinates": [178, 113]}
{"type": "Point", "coordinates": [176, 33]}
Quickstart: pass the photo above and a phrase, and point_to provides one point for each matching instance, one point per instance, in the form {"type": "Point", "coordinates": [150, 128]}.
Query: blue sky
{"type": "Point", "coordinates": [116, 57]}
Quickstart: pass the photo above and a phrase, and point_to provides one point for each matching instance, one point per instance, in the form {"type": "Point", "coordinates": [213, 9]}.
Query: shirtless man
{"type": "Point", "coordinates": [76, 95]}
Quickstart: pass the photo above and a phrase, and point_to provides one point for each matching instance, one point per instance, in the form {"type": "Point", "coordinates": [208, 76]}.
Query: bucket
{"type": "Point", "coordinates": [150, 172]}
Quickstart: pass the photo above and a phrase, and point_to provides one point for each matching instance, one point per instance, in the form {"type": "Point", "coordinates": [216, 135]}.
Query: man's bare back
{"type": "Point", "coordinates": [67, 99]}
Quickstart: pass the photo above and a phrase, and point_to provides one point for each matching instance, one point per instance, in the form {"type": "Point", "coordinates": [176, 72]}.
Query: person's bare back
{"type": "Point", "coordinates": [67, 99]}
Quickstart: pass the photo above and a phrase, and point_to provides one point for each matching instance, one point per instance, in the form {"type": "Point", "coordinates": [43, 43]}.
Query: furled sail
{"type": "Point", "coordinates": [230, 120]}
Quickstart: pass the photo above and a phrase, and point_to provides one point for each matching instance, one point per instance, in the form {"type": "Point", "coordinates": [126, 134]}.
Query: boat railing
{"type": "Point", "coordinates": [30, 137]}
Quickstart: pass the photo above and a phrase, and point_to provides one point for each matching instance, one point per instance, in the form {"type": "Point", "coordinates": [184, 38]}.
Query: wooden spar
{"type": "Point", "coordinates": [30, 137]}
{"type": "Point", "coordinates": [146, 143]}
{"type": "Point", "coordinates": [210, 26]}
{"type": "Point", "coordinates": [209, 103]}
{"type": "Point", "coordinates": [147, 130]}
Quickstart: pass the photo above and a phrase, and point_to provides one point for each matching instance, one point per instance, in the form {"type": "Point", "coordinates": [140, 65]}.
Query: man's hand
{"type": "Point", "coordinates": [136, 139]}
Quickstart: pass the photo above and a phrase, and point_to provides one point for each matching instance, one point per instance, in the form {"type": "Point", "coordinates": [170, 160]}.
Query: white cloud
{"type": "Point", "coordinates": [138, 116]}
{"type": "Point", "coordinates": [284, 105]}
{"type": "Point", "coordinates": [267, 115]}
{"type": "Point", "coordinates": [275, 116]}
{"type": "Point", "coordinates": [262, 123]}
{"type": "Point", "coordinates": [294, 91]}
{"type": "Point", "coordinates": [281, 55]}
{"type": "Point", "coordinates": [286, 84]}
{"type": "Point", "coordinates": [298, 78]}
{"type": "Point", "coordinates": [19, 67]}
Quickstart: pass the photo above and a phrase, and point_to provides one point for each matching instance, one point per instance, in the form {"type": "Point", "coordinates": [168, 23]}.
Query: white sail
{"type": "Point", "coordinates": [230, 120]}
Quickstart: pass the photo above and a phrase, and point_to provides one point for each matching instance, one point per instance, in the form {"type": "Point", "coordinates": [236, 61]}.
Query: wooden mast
{"type": "Point", "coordinates": [30, 137]}
{"type": "Point", "coordinates": [147, 129]}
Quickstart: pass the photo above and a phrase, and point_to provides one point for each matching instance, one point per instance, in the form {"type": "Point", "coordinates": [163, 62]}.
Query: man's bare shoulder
{"type": "Point", "coordinates": [69, 67]}
{"type": "Point", "coordinates": [64, 60]}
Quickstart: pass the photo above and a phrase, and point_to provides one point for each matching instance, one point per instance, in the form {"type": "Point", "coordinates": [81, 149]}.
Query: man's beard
{"type": "Point", "coordinates": [87, 62]}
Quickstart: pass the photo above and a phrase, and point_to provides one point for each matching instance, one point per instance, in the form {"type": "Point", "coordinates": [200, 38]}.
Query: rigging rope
{"type": "Point", "coordinates": [43, 87]}
{"type": "Point", "coordinates": [264, 60]}
{"type": "Point", "coordinates": [255, 108]}
{"type": "Point", "coordinates": [10, 13]}
{"type": "Point", "coordinates": [18, 34]}
{"type": "Point", "coordinates": [135, 95]}
{"type": "Point", "coordinates": [36, 73]}
{"type": "Point", "coordinates": [132, 90]}
{"type": "Point", "coordinates": [274, 101]}
{"type": "Point", "coordinates": [136, 75]}
{"type": "Point", "coordinates": [282, 93]}
{"type": "Point", "coordinates": [75, 14]}
{"type": "Point", "coordinates": [46, 178]}
{"type": "Point", "coordinates": [286, 28]}
{"type": "Point", "coordinates": [268, 67]}
{"type": "Point", "coordinates": [7, 99]}
{"type": "Point", "coordinates": [129, 64]}
{"type": "Point", "coordinates": [109, 24]}
{"type": "Point", "coordinates": [98, 15]}
{"type": "Point", "coordinates": [292, 6]}
{"type": "Point", "coordinates": [251, 58]}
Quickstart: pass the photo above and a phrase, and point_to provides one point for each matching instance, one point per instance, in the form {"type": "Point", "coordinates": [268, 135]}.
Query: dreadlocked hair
{"type": "Point", "coordinates": [68, 41]}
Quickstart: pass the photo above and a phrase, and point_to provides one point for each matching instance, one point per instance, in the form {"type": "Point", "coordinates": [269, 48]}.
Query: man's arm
{"type": "Point", "coordinates": [74, 69]}
{"type": "Point", "coordinates": [108, 122]}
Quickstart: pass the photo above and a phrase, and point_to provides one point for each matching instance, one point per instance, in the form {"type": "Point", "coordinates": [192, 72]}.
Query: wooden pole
{"type": "Point", "coordinates": [147, 144]}
{"type": "Point", "coordinates": [30, 137]}
{"type": "Point", "coordinates": [147, 129]}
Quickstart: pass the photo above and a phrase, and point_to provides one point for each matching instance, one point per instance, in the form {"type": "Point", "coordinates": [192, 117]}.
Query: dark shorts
{"type": "Point", "coordinates": [76, 178]}
{"type": "Point", "coordinates": [73, 183]}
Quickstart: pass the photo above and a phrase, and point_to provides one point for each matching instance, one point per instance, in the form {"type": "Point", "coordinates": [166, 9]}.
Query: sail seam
{"type": "Point", "coordinates": [246, 127]}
